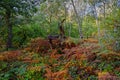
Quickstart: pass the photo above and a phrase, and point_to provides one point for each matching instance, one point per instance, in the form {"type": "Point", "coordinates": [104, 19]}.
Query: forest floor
{"type": "Point", "coordinates": [70, 61]}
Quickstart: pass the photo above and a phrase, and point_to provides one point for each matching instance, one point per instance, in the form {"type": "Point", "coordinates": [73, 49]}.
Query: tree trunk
{"type": "Point", "coordinates": [9, 30]}
{"type": "Point", "coordinates": [104, 12]}
{"type": "Point", "coordinates": [78, 20]}
{"type": "Point", "coordinates": [65, 12]}
{"type": "Point", "coordinates": [70, 25]}
{"type": "Point", "coordinates": [104, 9]}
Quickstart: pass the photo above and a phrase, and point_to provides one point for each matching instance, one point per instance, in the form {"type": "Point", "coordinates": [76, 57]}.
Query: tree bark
{"type": "Point", "coordinates": [78, 20]}
{"type": "Point", "coordinates": [9, 30]}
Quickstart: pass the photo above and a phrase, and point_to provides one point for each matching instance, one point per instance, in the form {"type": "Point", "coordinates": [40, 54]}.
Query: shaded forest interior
{"type": "Point", "coordinates": [59, 39]}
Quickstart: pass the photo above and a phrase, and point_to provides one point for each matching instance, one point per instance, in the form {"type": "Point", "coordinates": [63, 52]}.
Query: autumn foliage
{"type": "Point", "coordinates": [68, 61]}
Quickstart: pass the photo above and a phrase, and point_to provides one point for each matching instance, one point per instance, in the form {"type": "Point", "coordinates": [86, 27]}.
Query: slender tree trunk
{"type": "Point", "coordinates": [98, 27]}
{"type": "Point", "coordinates": [9, 30]}
{"type": "Point", "coordinates": [65, 25]}
{"type": "Point", "coordinates": [104, 9]}
{"type": "Point", "coordinates": [104, 6]}
{"type": "Point", "coordinates": [98, 24]}
{"type": "Point", "coordinates": [70, 29]}
{"type": "Point", "coordinates": [78, 20]}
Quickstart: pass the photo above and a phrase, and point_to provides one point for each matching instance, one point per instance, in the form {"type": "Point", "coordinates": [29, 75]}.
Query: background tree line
{"type": "Point", "coordinates": [25, 19]}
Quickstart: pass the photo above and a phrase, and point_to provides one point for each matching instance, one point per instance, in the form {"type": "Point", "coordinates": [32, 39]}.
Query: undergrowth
{"type": "Point", "coordinates": [71, 62]}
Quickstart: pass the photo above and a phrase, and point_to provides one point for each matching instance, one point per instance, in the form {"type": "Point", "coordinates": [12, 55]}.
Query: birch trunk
{"type": "Point", "coordinates": [78, 20]}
